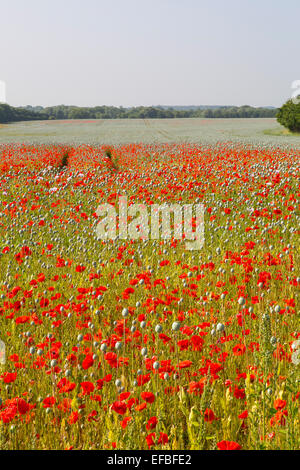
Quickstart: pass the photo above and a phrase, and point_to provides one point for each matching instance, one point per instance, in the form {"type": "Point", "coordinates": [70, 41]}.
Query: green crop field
{"type": "Point", "coordinates": [121, 131]}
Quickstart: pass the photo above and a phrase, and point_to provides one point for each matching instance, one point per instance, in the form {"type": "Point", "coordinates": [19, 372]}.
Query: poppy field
{"type": "Point", "coordinates": [141, 344]}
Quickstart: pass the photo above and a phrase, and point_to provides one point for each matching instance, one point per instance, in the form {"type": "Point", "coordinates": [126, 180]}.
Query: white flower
{"type": "Point", "coordinates": [296, 344]}
{"type": "Point", "coordinates": [296, 357]}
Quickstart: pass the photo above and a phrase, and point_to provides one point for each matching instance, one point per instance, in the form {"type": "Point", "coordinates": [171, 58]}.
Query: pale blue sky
{"type": "Point", "coordinates": [137, 52]}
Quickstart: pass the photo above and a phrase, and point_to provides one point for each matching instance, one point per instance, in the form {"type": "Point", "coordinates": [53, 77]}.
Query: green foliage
{"type": "Point", "coordinates": [11, 114]}
{"type": "Point", "coordinates": [108, 152]}
{"type": "Point", "coordinates": [265, 338]}
{"type": "Point", "coordinates": [142, 112]}
{"type": "Point", "coordinates": [289, 116]}
{"type": "Point", "coordinates": [64, 161]}
{"type": "Point", "coordinates": [29, 113]}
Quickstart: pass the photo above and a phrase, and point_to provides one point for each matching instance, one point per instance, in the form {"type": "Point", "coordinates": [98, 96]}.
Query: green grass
{"type": "Point", "coordinates": [281, 131]}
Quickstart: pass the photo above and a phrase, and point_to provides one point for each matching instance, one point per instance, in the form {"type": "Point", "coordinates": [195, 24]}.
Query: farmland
{"type": "Point", "coordinates": [121, 131]}
{"type": "Point", "coordinates": [142, 344]}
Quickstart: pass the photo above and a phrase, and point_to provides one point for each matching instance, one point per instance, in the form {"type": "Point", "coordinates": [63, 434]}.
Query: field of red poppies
{"type": "Point", "coordinates": [131, 344]}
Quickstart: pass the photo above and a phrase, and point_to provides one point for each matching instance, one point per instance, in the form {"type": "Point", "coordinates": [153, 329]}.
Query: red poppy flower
{"type": "Point", "coordinates": [87, 387]}
{"type": "Point", "coordinates": [119, 407]}
{"type": "Point", "coordinates": [150, 439]}
{"type": "Point", "coordinates": [209, 416]}
{"type": "Point", "coordinates": [125, 421]}
{"type": "Point", "coordinates": [49, 402]}
{"type": "Point", "coordinates": [228, 445]}
{"type": "Point", "coordinates": [279, 404]}
{"type": "Point", "coordinates": [87, 362]}
{"type": "Point", "coordinates": [163, 438]}
{"type": "Point", "coordinates": [152, 422]}
{"type": "Point", "coordinates": [73, 418]}
{"type": "Point", "coordinates": [149, 397]}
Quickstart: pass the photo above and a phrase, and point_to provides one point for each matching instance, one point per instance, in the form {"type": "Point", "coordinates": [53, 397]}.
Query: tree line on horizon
{"type": "Point", "coordinates": [29, 113]}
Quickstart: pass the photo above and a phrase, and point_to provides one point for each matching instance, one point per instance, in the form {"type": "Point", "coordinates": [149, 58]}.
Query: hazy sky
{"type": "Point", "coordinates": [149, 52]}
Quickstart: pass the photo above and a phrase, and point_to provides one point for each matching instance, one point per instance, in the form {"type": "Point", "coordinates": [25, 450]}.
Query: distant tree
{"type": "Point", "coordinates": [11, 114]}
{"type": "Point", "coordinates": [289, 115]}
{"type": "Point", "coordinates": [208, 113]}
{"type": "Point", "coordinates": [29, 113]}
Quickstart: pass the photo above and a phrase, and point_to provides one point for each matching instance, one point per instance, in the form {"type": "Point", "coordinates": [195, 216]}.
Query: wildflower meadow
{"type": "Point", "coordinates": [142, 344]}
